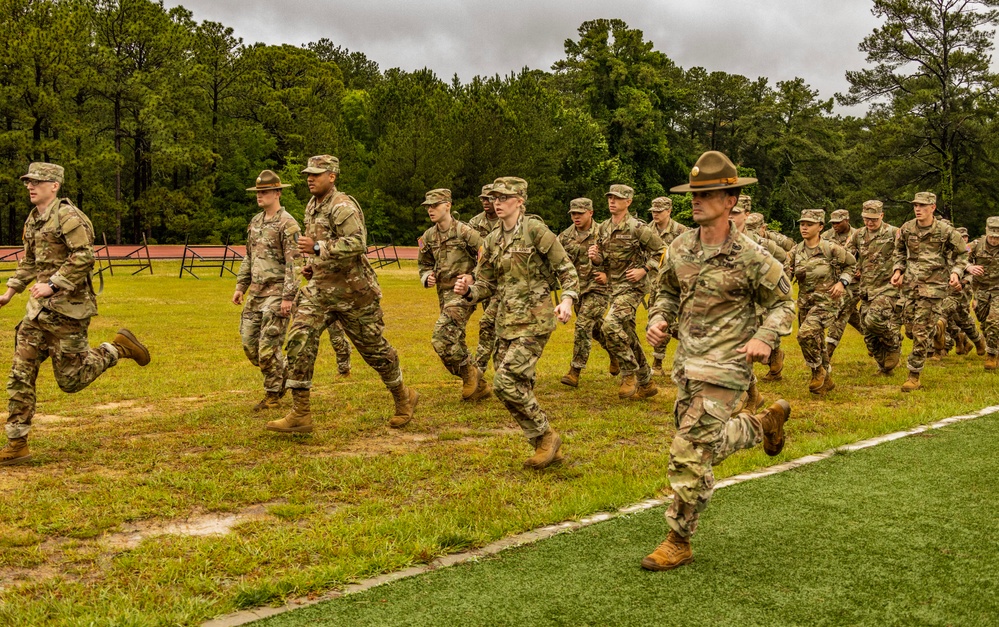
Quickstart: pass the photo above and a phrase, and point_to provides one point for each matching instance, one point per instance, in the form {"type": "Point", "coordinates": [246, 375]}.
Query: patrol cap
{"type": "Point", "coordinates": [41, 171]}
{"type": "Point", "coordinates": [963, 231]}
{"type": "Point", "coordinates": [813, 215]}
{"type": "Point", "coordinates": [839, 215]}
{"type": "Point", "coordinates": [485, 190]}
{"type": "Point", "coordinates": [746, 202]}
{"type": "Point", "coordinates": [510, 186]}
{"type": "Point", "coordinates": [924, 198]}
{"type": "Point", "coordinates": [738, 209]}
{"type": "Point", "coordinates": [322, 163]}
{"type": "Point", "coordinates": [873, 209]}
{"type": "Point", "coordinates": [754, 220]}
{"type": "Point", "coordinates": [713, 170]}
{"type": "Point", "coordinates": [661, 204]}
{"type": "Point", "coordinates": [992, 225]}
{"type": "Point", "coordinates": [268, 181]}
{"type": "Point", "coordinates": [435, 196]}
{"type": "Point", "coordinates": [621, 191]}
{"type": "Point", "coordinates": [580, 205]}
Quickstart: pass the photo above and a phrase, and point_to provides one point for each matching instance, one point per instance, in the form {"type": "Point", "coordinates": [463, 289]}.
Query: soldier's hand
{"type": "Point", "coordinates": [431, 279]}
{"type": "Point", "coordinates": [976, 270]}
{"type": "Point", "coordinates": [955, 281]}
{"type": "Point", "coordinates": [237, 298]}
{"type": "Point", "coordinates": [896, 279]}
{"type": "Point", "coordinates": [593, 252]}
{"type": "Point", "coordinates": [564, 310]}
{"type": "Point", "coordinates": [286, 306]}
{"type": "Point", "coordinates": [600, 278]}
{"type": "Point", "coordinates": [461, 286]}
{"type": "Point", "coordinates": [41, 290]}
{"type": "Point", "coordinates": [307, 272]}
{"type": "Point", "coordinates": [635, 274]}
{"type": "Point", "coordinates": [757, 350]}
{"type": "Point", "coordinates": [837, 290]}
{"type": "Point", "coordinates": [656, 333]}
{"type": "Point", "coordinates": [306, 245]}
{"type": "Point", "coordinates": [469, 279]}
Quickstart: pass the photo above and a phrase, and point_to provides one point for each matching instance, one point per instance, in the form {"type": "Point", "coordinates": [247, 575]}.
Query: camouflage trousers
{"type": "Point", "coordinates": [987, 312]}
{"type": "Point", "coordinates": [515, 362]}
{"type": "Point", "coordinates": [957, 315]}
{"type": "Point", "coordinates": [880, 317]}
{"type": "Point", "coordinates": [590, 310]}
{"type": "Point", "coordinates": [448, 338]}
{"type": "Point", "coordinates": [706, 433]}
{"type": "Point", "coordinates": [487, 333]}
{"type": "Point", "coordinates": [262, 329]}
{"type": "Point", "coordinates": [363, 325]}
{"type": "Point", "coordinates": [848, 314]}
{"type": "Point", "coordinates": [924, 313]}
{"type": "Point", "coordinates": [815, 316]}
{"type": "Point", "coordinates": [341, 347]}
{"type": "Point", "coordinates": [621, 338]}
{"type": "Point", "coordinates": [74, 363]}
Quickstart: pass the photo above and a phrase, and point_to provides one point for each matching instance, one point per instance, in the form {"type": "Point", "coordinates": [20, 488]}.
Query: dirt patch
{"type": "Point", "coordinates": [131, 535]}
{"type": "Point", "coordinates": [50, 419]}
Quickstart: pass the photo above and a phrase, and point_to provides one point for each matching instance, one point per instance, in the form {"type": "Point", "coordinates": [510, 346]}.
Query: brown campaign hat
{"type": "Point", "coordinates": [924, 198]}
{"type": "Point", "coordinates": [661, 204]}
{"type": "Point", "coordinates": [267, 181]}
{"type": "Point", "coordinates": [580, 205]}
{"type": "Point", "coordinates": [813, 215]}
{"type": "Point", "coordinates": [839, 215]}
{"type": "Point", "coordinates": [322, 163]}
{"type": "Point", "coordinates": [713, 170]}
{"type": "Point", "coordinates": [621, 191]}
{"type": "Point", "coordinates": [992, 225]}
{"type": "Point", "coordinates": [41, 171]}
{"type": "Point", "coordinates": [435, 196]}
{"type": "Point", "coordinates": [873, 209]}
{"type": "Point", "coordinates": [485, 190]}
{"type": "Point", "coordinates": [509, 186]}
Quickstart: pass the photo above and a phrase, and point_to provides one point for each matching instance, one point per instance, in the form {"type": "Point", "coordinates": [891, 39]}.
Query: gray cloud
{"type": "Point", "coordinates": [779, 39]}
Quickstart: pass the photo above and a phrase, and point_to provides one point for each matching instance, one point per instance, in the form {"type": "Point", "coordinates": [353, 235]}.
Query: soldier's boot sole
{"type": "Point", "coordinates": [295, 429]}
{"type": "Point", "coordinates": [13, 461]}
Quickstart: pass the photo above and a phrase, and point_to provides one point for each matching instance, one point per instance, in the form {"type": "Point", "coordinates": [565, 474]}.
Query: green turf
{"type": "Point", "coordinates": [902, 534]}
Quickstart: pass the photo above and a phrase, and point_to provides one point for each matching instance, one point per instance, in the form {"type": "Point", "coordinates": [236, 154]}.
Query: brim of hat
{"type": "Point", "coordinates": [619, 195]}
{"type": "Point", "coordinates": [431, 203]}
{"type": "Point", "coordinates": [871, 214]}
{"type": "Point", "coordinates": [739, 182]}
{"type": "Point", "coordinates": [35, 177]}
{"type": "Point", "coordinates": [919, 202]}
{"type": "Point", "coordinates": [267, 189]}
{"type": "Point", "coordinates": [314, 171]}
{"type": "Point", "coordinates": [485, 196]}
{"type": "Point", "coordinates": [992, 231]}
{"type": "Point", "coordinates": [504, 191]}
{"type": "Point", "coordinates": [737, 210]}
{"type": "Point", "coordinates": [812, 221]}
{"type": "Point", "coordinates": [578, 210]}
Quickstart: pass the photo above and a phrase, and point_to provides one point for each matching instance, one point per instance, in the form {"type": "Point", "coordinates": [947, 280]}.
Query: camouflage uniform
{"type": "Point", "coordinates": [987, 286]}
{"type": "Point", "coordinates": [487, 324]}
{"type": "Point", "coordinates": [512, 267]}
{"type": "Point", "coordinates": [630, 244]}
{"type": "Point", "coordinates": [957, 314]}
{"type": "Point", "coordinates": [927, 257]}
{"type": "Point", "coordinates": [715, 298]}
{"type": "Point", "coordinates": [448, 254]}
{"type": "Point", "coordinates": [667, 234]}
{"type": "Point", "coordinates": [817, 270]}
{"type": "Point", "coordinates": [267, 275]}
{"type": "Point", "coordinates": [780, 239]}
{"type": "Point", "coordinates": [878, 297]}
{"type": "Point", "coordinates": [848, 313]}
{"type": "Point", "coordinates": [338, 340]}
{"type": "Point", "coordinates": [593, 297]}
{"type": "Point", "coordinates": [58, 249]}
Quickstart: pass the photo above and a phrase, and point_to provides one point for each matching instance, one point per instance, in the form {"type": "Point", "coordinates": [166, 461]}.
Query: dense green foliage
{"type": "Point", "coordinates": [162, 122]}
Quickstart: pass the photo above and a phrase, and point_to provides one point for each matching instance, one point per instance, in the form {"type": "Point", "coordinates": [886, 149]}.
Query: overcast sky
{"type": "Point", "coordinates": [780, 39]}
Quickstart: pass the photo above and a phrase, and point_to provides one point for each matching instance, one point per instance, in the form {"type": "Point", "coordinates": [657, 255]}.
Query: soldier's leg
{"type": "Point", "coordinates": [31, 348]}
{"type": "Point", "coordinates": [302, 346]}
{"type": "Point", "coordinates": [487, 333]}
{"type": "Point", "coordinates": [811, 336]}
{"type": "Point", "coordinates": [618, 329]}
{"type": "Point", "coordinates": [273, 329]}
{"type": "Point", "coordinates": [987, 312]}
{"type": "Point", "coordinates": [74, 363]}
{"type": "Point", "coordinates": [365, 328]}
{"type": "Point", "coordinates": [448, 337]}
{"type": "Point", "coordinates": [880, 328]}
{"type": "Point", "coordinates": [589, 316]}
{"type": "Point", "coordinates": [513, 384]}
{"type": "Point", "coordinates": [341, 347]}
{"type": "Point", "coordinates": [963, 321]}
{"type": "Point", "coordinates": [249, 331]}
{"type": "Point", "coordinates": [835, 331]}
{"type": "Point", "coordinates": [926, 312]}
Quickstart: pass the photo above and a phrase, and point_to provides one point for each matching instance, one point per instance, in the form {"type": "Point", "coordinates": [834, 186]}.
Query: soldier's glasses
{"type": "Point", "coordinates": [502, 197]}
{"type": "Point", "coordinates": [31, 183]}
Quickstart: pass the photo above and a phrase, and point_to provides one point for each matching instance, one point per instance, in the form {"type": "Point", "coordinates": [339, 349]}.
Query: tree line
{"type": "Point", "coordinates": [162, 122]}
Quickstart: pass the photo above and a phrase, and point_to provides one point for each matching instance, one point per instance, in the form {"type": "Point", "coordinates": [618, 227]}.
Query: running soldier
{"type": "Point", "coordinates": [841, 232]}
{"type": "Point", "coordinates": [962, 331]}
{"type": "Point", "coordinates": [485, 223]}
{"type": "Point", "coordinates": [668, 230]}
{"type": "Point", "coordinates": [984, 257]}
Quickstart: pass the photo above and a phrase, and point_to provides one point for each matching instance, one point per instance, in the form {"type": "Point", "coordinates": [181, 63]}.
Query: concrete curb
{"type": "Point", "coordinates": [528, 537]}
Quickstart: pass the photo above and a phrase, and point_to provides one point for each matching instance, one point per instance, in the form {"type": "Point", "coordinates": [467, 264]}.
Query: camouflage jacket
{"type": "Point", "coordinates": [817, 269]}
{"type": "Point", "coordinates": [630, 244]}
{"type": "Point", "coordinates": [58, 247]}
{"type": "Point", "coordinates": [268, 269]}
{"type": "Point", "coordinates": [982, 254]}
{"type": "Point", "coordinates": [512, 270]}
{"type": "Point", "coordinates": [716, 300]}
{"type": "Point", "coordinates": [770, 246]}
{"type": "Point", "coordinates": [342, 276]}
{"type": "Point", "coordinates": [448, 254]}
{"type": "Point", "coordinates": [483, 224]}
{"type": "Point", "coordinates": [832, 236]}
{"type": "Point", "coordinates": [875, 254]}
{"type": "Point", "coordinates": [670, 233]}
{"type": "Point", "coordinates": [929, 256]}
{"type": "Point", "coordinates": [781, 240]}
{"type": "Point", "coordinates": [576, 244]}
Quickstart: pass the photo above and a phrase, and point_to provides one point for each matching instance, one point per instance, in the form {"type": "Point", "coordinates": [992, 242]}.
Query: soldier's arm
{"type": "Point", "coordinates": [80, 261]}
{"type": "Point", "coordinates": [899, 258]}
{"type": "Point", "coordinates": [848, 264]}
{"type": "Point", "coordinates": [560, 264]}
{"type": "Point", "coordinates": [25, 272]}
{"type": "Point", "coordinates": [960, 254]}
{"type": "Point", "coordinates": [352, 241]}
{"type": "Point", "coordinates": [289, 242]}
{"type": "Point", "coordinates": [245, 275]}
{"type": "Point", "coordinates": [425, 260]}
{"type": "Point", "coordinates": [485, 278]}
{"type": "Point", "coordinates": [773, 294]}
{"type": "Point", "coordinates": [598, 261]}
{"type": "Point", "coordinates": [653, 246]}
{"type": "Point", "coordinates": [667, 301]}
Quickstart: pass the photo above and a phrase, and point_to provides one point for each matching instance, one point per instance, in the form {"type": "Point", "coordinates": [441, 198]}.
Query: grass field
{"type": "Point", "coordinates": [85, 528]}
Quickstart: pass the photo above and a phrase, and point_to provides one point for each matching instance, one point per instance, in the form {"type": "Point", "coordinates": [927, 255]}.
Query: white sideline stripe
{"type": "Point", "coordinates": [529, 537]}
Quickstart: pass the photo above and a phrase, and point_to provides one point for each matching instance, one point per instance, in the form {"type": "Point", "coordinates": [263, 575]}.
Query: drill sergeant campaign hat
{"type": "Point", "coordinates": [839, 215]}
{"type": "Point", "coordinates": [41, 171]}
{"type": "Point", "coordinates": [485, 190]}
{"type": "Point", "coordinates": [661, 204]}
{"type": "Point", "coordinates": [267, 181]}
{"type": "Point", "coordinates": [712, 171]}
{"type": "Point", "coordinates": [873, 209]}
{"type": "Point", "coordinates": [924, 198]}
{"type": "Point", "coordinates": [322, 163]}
{"type": "Point", "coordinates": [580, 205]}
{"type": "Point", "coordinates": [992, 225]}
{"type": "Point", "coordinates": [509, 186]}
{"type": "Point", "coordinates": [621, 191]}
{"type": "Point", "coordinates": [436, 196]}
{"type": "Point", "coordinates": [813, 215]}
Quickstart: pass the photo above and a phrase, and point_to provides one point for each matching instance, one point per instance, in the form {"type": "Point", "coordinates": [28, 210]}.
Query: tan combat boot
{"type": "Point", "coordinates": [772, 421]}
{"type": "Point", "coordinates": [16, 452]}
{"type": "Point", "coordinates": [299, 419]}
{"type": "Point", "coordinates": [827, 385]}
{"type": "Point", "coordinates": [571, 378]}
{"type": "Point", "coordinates": [546, 448]}
{"type": "Point", "coordinates": [405, 405]}
{"type": "Point", "coordinates": [129, 347]}
{"type": "Point", "coordinates": [752, 400]}
{"type": "Point", "coordinates": [657, 367]}
{"type": "Point", "coordinates": [470, 377]}
{"type": "Point", "coordinates": [482, 391]}
{"type": "Point", "coordinates": [673, 552]}
{"type": "Point", "coordinates": [817, 380]}
{"type": "Point", "coordinates": [629, 386]}
{"type": "Point", "coordinates": [615, 367]}
{"type": "Point", "coordinates": [646, 391]}
{"type": "Point", "coordinates": [962, 346]}
{"type": "Point", "coordinates": [892, 361]}
{"type": "Point", "coordinates": [940, 337]}
{"type": "Point", "coordinates": [776, 366]}
{"type": "Point", "coordinates": [991, 362]}
{"type": "Point", "coordinates": [912, 383]}
{"type": "Point", "coordinates": [272, 400]}
{"type": "Point", "coordinates": [980, 348]}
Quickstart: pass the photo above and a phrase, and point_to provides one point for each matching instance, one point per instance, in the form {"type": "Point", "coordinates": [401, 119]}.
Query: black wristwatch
{"type": "Point", "coordinates": [55, 288]}
{"type": "Point", "coordinates": [845, 282]}
{"type": "Point", "coordinates": [315, 247]}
